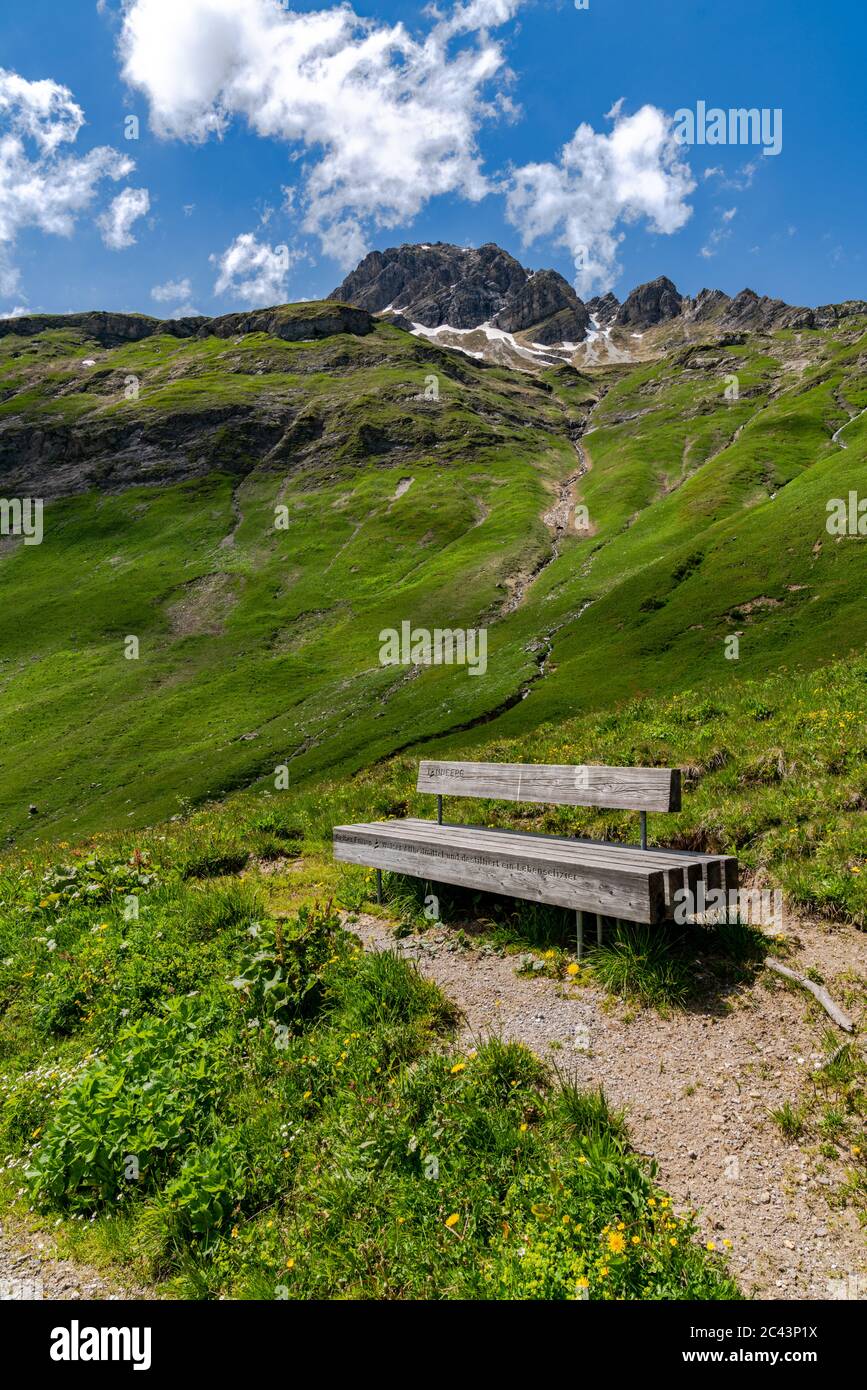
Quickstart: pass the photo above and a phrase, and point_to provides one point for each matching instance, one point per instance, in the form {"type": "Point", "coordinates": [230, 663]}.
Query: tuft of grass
{"type": "Point", "coordinates": [789, 1119]}
{"type": "Point", "coordinates": [640, 962]}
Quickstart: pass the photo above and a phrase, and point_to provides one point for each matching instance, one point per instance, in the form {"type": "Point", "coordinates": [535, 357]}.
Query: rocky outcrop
{"type": "Point", "coordinates": [650, 304]}
{"type": "Point", "coordinates": [828, 314]}
{"type": "Point", "coordinates": [547, 304]}
{"type": "Point", "coordinates": [107, 329]}
{"type": "Point", "coordinates": [464, 287]}
{"type": "Point", "coordinates": [749, 310]}
{"type": "Point", "coordinates": [293, 322]}
{"type": "Point", "coordinates": [758, 313]}
{"type": "Point", "coordinates": [708, 304]}
{"type": "Point", "coordinates": [604, 308]}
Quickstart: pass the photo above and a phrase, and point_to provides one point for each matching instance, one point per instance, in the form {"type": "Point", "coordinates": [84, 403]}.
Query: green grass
{"type": "Point", "coordinates": [259, 646]}
{"type": "Point", "coordinates": [229, 1103]}
{"type": "Point", "coordinates": [828, 1116]}
{"type": "Point", "coordinates": [773, 771]}
{"type": "Point", "coordinates": [299, 1120]}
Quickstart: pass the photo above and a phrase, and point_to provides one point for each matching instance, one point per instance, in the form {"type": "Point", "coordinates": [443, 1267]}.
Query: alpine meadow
{"type": "Point", "coordinates": [433, 689]}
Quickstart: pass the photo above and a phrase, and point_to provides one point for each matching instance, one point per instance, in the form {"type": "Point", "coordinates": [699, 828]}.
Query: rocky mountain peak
{"type": "Point", "coordinates": [650, 304]}
{"type": "Point", "coordinates": [708, 304]}
{"type": "Point", "coordinates": [604, 308]}
{"type": "Point", "coordinates": [439, 288]}
{"type": "Point", "coordinates": [462, 287]}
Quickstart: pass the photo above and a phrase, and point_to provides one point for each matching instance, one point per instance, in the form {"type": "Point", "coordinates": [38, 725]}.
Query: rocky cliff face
{"type": "Point", "coordinates": [292, 322]}
{"type": "Point", "coordinates": [649, 304]}
{"type": "Point", "coordinates": [755, 313]}
{"type": "Point", "coordinates": [604, 308]}
{"type": "Point", "coordinates": [548, 304]}
{"type": "Point", "coordinates": [464, 287]}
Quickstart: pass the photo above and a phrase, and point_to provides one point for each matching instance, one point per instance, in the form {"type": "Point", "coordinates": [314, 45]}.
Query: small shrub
{"type": "Point", "coordinates": [282, 975]}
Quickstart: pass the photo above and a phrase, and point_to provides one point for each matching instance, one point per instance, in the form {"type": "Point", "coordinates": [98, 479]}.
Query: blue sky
{"type": "Point", "coordinates": [276, 144]}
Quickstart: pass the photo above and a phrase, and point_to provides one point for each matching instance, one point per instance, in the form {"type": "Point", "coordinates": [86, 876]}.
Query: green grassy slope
{"type": "Point", "coordinates": [235, 1103]}
{"type": "Point", "coordinates": [259, 646]}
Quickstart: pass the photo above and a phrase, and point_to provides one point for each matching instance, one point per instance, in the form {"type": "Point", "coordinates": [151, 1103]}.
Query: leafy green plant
{"type": "Point", "coordinates": [282, 974]}
{"type": "Point", "coordinates": [208, 1188]}
{"type": "Point", "coordinates": [125, 1119]}
{"type": "Point", "coordinates": [789, 1119]}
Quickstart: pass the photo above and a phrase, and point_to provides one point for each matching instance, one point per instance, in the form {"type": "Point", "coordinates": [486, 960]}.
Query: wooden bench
{"type": "Point", "coordinates": [623, 881]}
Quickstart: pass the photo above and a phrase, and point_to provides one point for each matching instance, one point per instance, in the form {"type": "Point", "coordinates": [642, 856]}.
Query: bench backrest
{"type": "Point", "coordinates": [617, 788]}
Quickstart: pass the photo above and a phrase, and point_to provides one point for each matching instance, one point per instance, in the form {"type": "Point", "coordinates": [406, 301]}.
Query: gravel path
{"type": "Point", "coordinates": [697, 1089]}
{"type": "Point", "coordinates": [30, 1269]}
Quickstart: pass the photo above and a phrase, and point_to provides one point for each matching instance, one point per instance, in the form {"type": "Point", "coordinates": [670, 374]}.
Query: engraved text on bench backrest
{"type": "Point", "coordinates": [617, 788]}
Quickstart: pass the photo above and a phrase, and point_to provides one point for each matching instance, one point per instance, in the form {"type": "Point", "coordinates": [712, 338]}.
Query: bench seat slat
{"type": "Point", "coordinates": [683, 868]}
{"type": "Point", "coordinates": [581, 878]}
{"type": "Point", "coordinates": [717, 870]}
{"type": "Point", "coordinates": [531, 846]}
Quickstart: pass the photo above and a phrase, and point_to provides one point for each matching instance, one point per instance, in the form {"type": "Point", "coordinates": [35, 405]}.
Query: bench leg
{"type": "Point", "coordinates": [379, 885]}
{"type": "Point", "coordinates": [579, 932]}
{"type": "Point", "coordinates": [599, 929]}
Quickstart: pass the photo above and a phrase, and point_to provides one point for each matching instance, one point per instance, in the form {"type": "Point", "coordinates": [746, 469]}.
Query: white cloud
{"type": "Point", "coordinates": [251, 271]}
{"type": "Point", "coordinates": [601, 182]}
{"type": "Point", "coordinates": [480, 14]}
{"type": "Point", "coordinates": [719, 234]}
{"type": "Point", "coordinates": [39, 186]}
{"type": "Point", "coordinates": [115, 223]}
{"type": "Point", "coordinates": [172, 289]}
{"type": "Point", "coordinates": [390, 118]}
{"type": "Point", "coordinates": [743, 178]}
{"type": "Point", "coordinates": [181, 291]}
{"type": "Point", "coordinates": [44, 111]}
{"type": "Point", "coordinates": [344, 242]}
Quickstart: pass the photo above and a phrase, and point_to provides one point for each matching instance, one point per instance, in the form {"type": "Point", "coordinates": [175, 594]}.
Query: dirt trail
{"type": "Point", "coordinates": [697, 1089]}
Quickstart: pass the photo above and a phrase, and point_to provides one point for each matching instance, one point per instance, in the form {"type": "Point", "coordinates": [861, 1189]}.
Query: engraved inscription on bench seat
{"type": "Point", "coordinates": [683, 869]}
{"type": "Point", "coordinates": [567, 874]}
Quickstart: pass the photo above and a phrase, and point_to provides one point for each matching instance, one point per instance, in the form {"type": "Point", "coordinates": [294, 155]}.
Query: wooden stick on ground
{"type": "Point", "coordinates": [818, 992]}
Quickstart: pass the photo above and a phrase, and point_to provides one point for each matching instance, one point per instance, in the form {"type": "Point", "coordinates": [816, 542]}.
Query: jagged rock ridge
{"type": "Point", "coordinates": [440, 284]}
